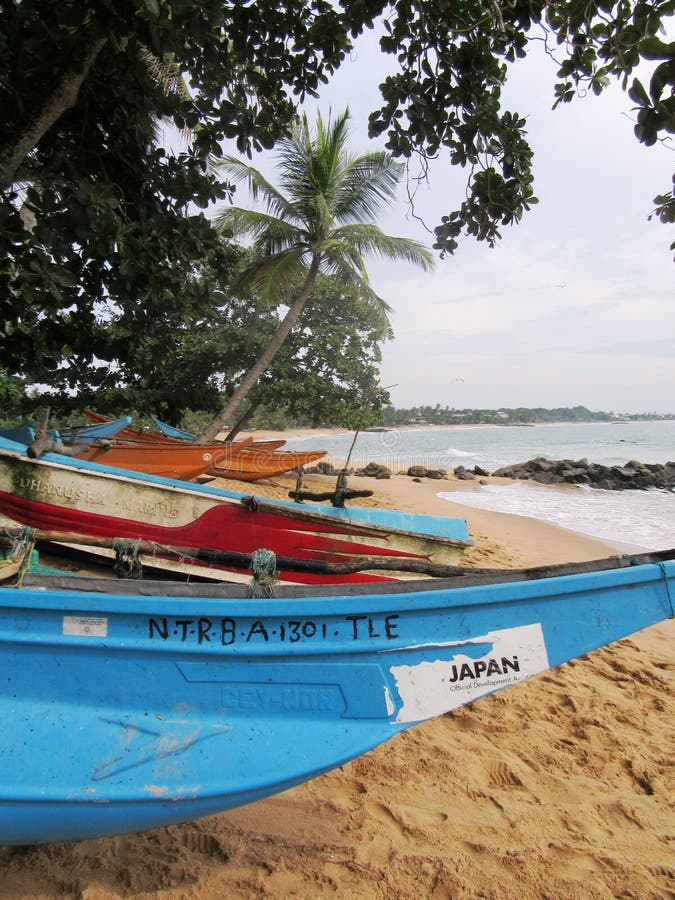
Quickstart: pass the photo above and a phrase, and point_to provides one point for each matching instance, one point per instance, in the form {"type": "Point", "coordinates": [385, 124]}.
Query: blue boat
{"type": "Point", "coordinates": [25, 434]}
{"type": "Point", "coordinates": [134, 705]}
{"type": "Point", "coordinates": [22, 434]}
{"type": "Point", "coordinates": [172, 432]}
{"type": "Point", "coordinates": [87, 433]}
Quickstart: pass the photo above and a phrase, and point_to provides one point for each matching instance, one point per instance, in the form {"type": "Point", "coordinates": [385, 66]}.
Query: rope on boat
{"type": "Point", "coordinates": [252, 504]}
{"type": "Point", "coordinates": [668, 594]}
{"type": "Point", "coordinates": [264, 568]}
{"type": "Point", "coordinates": [127, 559]}
{"type": "Point", "coordinates": [23, 549]}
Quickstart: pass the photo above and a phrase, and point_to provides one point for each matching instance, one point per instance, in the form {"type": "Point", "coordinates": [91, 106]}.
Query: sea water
{"type": "Point", "coordinates": [635, 519]}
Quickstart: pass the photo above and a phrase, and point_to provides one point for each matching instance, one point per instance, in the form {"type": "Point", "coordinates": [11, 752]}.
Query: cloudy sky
{"type": "Point", "coordinates": [576, 306]}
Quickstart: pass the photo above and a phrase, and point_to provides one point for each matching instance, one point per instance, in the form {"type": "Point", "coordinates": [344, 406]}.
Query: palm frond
{"type": "Point", "coordinates": [368, 186]}
{"type": "Point", "coordinates": [334, 252]}
{"type": "Point", "coordinates": [259, 187]}
{"type": "Point", "coordinates": [167, 74]}
{"type": "Point", "coordinates": [275, 276]}
{"type": "Point", "coordinates": [359, 290]}
{"type": "Point", "coordinates": [265, 230]}
{"type": "Point", "coordinates": [371, 241]}
{"type": "Point", "coordinates": [311, 169]}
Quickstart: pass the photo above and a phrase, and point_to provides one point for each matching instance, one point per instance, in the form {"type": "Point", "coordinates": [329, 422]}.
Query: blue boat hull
{"type": "Point", "coordinates": [123, 713]}
{"type": "Point", "coordinates": [25, 434]}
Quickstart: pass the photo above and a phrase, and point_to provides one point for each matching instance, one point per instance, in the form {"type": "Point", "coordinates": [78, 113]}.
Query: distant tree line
{"type": "Point", "coordinates": [439, 415]}
{"type": "Point", "coordinates": [325, 405]}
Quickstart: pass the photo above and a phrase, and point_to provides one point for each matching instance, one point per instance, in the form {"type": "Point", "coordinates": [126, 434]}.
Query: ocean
{"type": "Point", "coordinates": [639, 520]}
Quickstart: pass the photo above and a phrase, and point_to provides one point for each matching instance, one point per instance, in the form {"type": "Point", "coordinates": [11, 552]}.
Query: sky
{"type": "Point", "coordinates": [575, 306]}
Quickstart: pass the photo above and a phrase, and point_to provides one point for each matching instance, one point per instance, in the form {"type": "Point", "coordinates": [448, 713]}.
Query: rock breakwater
{"type": "Point", "coordinates": [633, 475]}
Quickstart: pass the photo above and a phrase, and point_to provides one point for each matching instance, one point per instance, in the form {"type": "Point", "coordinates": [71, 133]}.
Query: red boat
{"type": "Point", "coordinates": [61, 493]}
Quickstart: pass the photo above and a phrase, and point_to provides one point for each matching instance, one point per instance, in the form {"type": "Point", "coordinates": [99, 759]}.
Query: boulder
{"type": "Point", "coordinates": [634, 475]}
{"type": "Point", "coordinates": [548, 478]}
{"type": "Point", "coordinates": [374, 470]}
{"type": "Point", "coordinates": [463, 474]}
{"type": "Point", "coordinates": [417, 471]}
{"type": "Point", "coordinates": [322, 468]}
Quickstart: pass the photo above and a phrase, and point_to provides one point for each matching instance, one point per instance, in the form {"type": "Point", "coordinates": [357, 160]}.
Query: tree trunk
{"type": "Point", "coordinates": [62, 96]}
{"type": "Point", "coordinates": [242, 421]}
{"type": "Point", "coordinates": [265, 358]}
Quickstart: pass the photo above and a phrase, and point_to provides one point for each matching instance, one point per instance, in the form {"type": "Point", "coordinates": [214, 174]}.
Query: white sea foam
{"type": "Point", "coordinates": [638, 519]}
{"type": "Point", "coordinates": [453, 451]}
{"type": "Point", "coordinates": [635, 518]}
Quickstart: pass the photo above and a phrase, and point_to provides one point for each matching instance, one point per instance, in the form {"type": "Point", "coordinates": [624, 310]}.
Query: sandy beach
{"type": "Point", "coordinates": [561, 787]}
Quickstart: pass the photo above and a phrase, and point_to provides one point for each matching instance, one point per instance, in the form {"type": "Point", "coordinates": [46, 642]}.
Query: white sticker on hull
{"type": "Point", "coordinates": [479, 666]}
{"type": "Point", "coordinates": [85, 626]}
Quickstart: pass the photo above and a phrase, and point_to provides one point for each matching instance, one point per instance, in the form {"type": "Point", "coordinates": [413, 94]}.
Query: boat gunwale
{"type": "Point", "coordinates": [377, 597]}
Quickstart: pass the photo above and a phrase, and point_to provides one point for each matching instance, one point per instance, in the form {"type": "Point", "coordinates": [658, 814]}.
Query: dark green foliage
{"type": "Point", "coordinates": [82, 85]}
{"type": "Point", "coordinates": [171, 366]}
{"type": "Point", "coordinates": [93, 214]}
{"type": "Point", "coordinates": [328, 368]}
{"type": "Point", "coordinates": [13, 399]}
{"type": "Point", "coordinates": [452, 61]}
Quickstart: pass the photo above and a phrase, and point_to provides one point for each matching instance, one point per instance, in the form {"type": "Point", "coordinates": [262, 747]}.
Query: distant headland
{"type": "Point", "coordinates": [391, 417]}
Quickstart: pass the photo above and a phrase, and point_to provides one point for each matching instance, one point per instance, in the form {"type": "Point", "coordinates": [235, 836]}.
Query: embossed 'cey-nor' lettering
{"type": "Point", "coordinates": [283, 698]}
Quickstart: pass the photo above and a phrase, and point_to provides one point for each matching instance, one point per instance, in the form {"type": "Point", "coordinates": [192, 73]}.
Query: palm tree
{"type": "Point", "coordinates": [322, 221]}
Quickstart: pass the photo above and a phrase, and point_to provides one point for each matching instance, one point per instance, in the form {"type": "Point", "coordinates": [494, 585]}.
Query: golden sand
{"type": "Point", "coordinates": [561, 787]}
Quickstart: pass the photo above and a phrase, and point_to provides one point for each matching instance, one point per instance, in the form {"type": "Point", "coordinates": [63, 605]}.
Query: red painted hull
{"type": "Point", "coordinates": [109, 503]}
{"type": "Point", "coordinates": [231, 528]}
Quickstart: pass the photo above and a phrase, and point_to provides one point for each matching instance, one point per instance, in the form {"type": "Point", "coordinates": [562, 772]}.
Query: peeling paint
{"type": "Point", "coordinates": [156, 789]}
{"type": "Point", "coordinates": [507, 656]}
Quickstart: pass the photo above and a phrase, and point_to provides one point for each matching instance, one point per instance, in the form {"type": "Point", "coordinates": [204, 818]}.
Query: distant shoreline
{"type": "Point", "coordinates": [296, 433]}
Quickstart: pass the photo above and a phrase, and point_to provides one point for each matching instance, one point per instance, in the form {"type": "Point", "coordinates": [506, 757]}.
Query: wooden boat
{"type": "Point", "coordinates": [178, 434]}
{"type": "Point", "coordinates": [171, 431]}
{"type": "Point", "coordinates": [66, 494]}
{"type": "Point", "coordinates": [127, 708]}
{"type": "Point", "coordinates": [253, 463]}
{"type": "Point", "coordinates": [89, 433]}
{"type": "Point", "coordinates": [181, 461]}
{"type": "Point", "coordinates": [189, 461]}
{"type": "Point", "coordinates": [168, 434]}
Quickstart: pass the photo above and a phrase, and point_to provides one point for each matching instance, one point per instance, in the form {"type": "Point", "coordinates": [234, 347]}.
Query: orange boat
{"type": "Point", "coordinates": [142, 435]}
{"type": "Point", "coordinates": [183, 461]}
{"type": "Point", "coordinates": [253, 463]}
{"type": "Point", "coordinates": [189, 461]}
